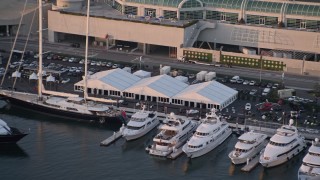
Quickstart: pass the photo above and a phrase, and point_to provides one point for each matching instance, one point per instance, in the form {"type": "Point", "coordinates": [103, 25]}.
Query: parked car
{"type": "Point", "coordinates": [109, 64]}
{"type": "Point", "coordinates": [240, 81]}
{"type": "Point", "coordinates": [247, 107]}
{"type": "Point", "coordinates": [234, 79]}
{"type": "Point", "coordinates": [266, 91]}
{"type": "Point", "coordinates": [75, 45]}
{"type": "Point", "coordinates": [252, 83]}
{"type": "Point", "coordinates": [115, 66]}
{"type": "Point", "coordinates": [275, 86]}
{"type": "Point", "coordinates": [245, 82]}
{"type": "Point", "coordinates": [253, 92]}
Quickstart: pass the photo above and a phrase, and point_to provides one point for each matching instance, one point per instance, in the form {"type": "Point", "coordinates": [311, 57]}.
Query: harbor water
{"type": "Point", "coordinates": [59, 149]}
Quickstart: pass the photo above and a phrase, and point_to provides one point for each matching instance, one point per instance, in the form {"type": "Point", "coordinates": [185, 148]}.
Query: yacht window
{"type": "Point", "coordinates": [134, 128]}
{"type": "Point", "coordinates": [72, 109]}
{"type": "Point", "coordinates": [314, 154]}
{"type": "Point", "coordinates": [195, 147]}
{"type": "Point", "coordinates": [162, 143]}
{"type": "Point", "coordinates": [202, 134]}
{"type": "Point", "coordinates": [246, 142]}
{"type": "Point", "coordinates": [281, 144]}
{"type": "Point", "coordinates": [186, 125]}
{"type": "Point", "coordinates": [137, 119]}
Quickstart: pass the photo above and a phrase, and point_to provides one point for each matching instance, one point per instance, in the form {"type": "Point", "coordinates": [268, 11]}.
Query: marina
{"type": "Point", "coordinates": [75, 145]}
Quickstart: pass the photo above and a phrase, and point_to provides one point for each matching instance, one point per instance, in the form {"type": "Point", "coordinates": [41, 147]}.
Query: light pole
{"type": "Point", "coordinates": [260, 66]}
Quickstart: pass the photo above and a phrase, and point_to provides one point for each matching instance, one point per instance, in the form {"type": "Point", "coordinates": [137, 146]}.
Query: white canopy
{"type": "Point", "coordinates": [16, 74]}
{"type": "Point", "coordinates": [33, 76]}
{"type": "Point", "coordinates": [115, 79]}
{"type": "Point", "coordinates": [182, 78]}
{"type": "Point", "coordinates": [4, 128]}
{"type": "Point", "coordinates": [51, 78]}
{"type": "Point", "coordinates": [142, 74]}
{"type": "Point", "coordinates": [160, 86]}
{"type": "Point", "coordinates": [211, 92]}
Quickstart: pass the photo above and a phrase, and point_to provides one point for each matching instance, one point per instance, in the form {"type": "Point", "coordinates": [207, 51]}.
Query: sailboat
{"type": "Point", "coordinates": [65, 105]}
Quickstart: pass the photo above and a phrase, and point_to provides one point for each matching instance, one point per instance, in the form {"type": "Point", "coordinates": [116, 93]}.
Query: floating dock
{"type": "Point", "coordinates": [111, 139]}
{"type": "Point", "coordinates": [176, 153]}
{"type": "Point", "coordinates": [252, 164]}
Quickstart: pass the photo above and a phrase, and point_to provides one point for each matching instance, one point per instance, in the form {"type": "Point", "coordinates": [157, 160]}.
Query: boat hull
{"type": "Point", "coordinates": [282, 159]}
{"type": "Point", "coordinates": [242, 160]}
{"type": "Point", "coordinates": [130, 137]}
{"type": "Point", "coordinates": [12, 138]}
{"type": "Point", "coordinates": [40, 108]}
{"type": "Point", "coordinates": [210, 147]}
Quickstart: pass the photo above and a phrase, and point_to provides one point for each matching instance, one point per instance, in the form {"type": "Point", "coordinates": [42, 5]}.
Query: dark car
{"type": "Point", "coordinates": [75, 45]}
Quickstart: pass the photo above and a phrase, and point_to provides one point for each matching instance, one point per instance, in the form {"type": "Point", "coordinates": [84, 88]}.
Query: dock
{"type": "Point", "coordinates": [111, 139]}
{"type": "Point", "coordinates": [176, 153]}
{"type": "Point", "coordinates": [252, 164]}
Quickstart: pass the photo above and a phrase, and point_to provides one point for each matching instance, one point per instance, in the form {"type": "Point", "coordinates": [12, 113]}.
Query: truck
{"type": "Point", "coordinates": [234, 79]}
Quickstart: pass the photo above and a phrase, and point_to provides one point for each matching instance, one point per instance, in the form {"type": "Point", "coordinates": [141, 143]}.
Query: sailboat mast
{"type": "Point", "coordinates": [86, 53]}
{"type": "Point", "coordinates": [40, 52]}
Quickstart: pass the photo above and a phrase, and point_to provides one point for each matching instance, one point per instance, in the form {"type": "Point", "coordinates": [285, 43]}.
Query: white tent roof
{"type": "Point", "coordinates": [51, 78]}
{"type": "Point", "coordinates": [161, 86]}
{"type": "Point", "coordinates": [142, 74]}
{"type": "Point", "coordinates": [115, 79]}
{"type": "Point", "coordinates": [16, 74]}
{"type": "Point", "coordinates": [33, 76]}
{"type": "Point", "coordinates": [211, 92]}
{"type": "Point", "coordinates": [182, 78]}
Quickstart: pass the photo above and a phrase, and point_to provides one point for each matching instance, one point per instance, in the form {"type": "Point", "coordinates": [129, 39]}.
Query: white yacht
{"type": "Point", "coordinates": [173, 134]}
{"type": "Point", "coordinates": [249, 145]}
{"type": "Point", "coordinates": [140, 124]}
{"type": "Point", "coordinates": [284, 145]}
{"type": "Point", "coordinates": [310, 168]}
{"type": "Point", "coordinates": [210, 133]}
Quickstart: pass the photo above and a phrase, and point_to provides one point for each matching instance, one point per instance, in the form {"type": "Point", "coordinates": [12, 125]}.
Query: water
{"type": "Point", "coordinates": [57, 149]}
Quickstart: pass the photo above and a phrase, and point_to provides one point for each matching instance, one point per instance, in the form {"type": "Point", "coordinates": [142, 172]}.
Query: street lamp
{"type": "Point", "coordinates": [260, 66]}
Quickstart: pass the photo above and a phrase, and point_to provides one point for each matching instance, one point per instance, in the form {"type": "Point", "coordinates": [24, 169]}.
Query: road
{"type": "Point", "coordinates": [291, 80]}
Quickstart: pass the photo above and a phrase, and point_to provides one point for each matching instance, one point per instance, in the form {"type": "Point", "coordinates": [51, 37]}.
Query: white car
{"type": "Point", "coordinates": [248, 107]}
{"type": "Point", "coordinates": [245, 82]}
{"type": "Point", "coordinates": [253, 92]}
{"type": "Point", "coordinates": [252, 83]}
{"type": "Point", "coordinates": [65, 80]}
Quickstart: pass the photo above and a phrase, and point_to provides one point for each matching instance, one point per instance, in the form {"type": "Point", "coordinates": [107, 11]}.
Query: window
{"type": "Point", "coordinates": [262, 21]}
{"type": "Point", "coordinates": [223, 17]}
{"type": "Point", "coordinates": [303, 25]}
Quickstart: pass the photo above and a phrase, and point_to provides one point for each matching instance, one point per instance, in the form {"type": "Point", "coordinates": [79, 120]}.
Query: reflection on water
{"type": "Point", "coordinates": [232, 169]}
{"type": "Point", "coordinates": [12, 150]}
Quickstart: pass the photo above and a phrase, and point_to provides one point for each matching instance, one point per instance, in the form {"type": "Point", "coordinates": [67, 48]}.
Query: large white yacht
{"type": "Point", "coordinates": [173, 134]}
{"type": "Point", "coordinates": [310, 168]}
{"type": "Point", "coordinates": [210, 133]}
{"type": "Point", "coordinates": [248, 146]}
{"type": "Point", "coordinates": [284, 145]}
{"type": "Point", "coordinates": [140, 124]}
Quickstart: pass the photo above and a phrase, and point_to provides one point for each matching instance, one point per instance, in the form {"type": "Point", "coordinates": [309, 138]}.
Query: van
{"type": "Point", "coordinates": [234, 79]}
{"type": "Point", "coordinates": [266, 91]}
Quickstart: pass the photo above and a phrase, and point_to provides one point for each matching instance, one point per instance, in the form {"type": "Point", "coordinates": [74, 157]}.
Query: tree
{"type": "Point", "coordinates": [317, 90]}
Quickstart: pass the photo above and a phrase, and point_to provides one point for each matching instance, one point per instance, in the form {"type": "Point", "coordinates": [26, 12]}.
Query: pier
{"type": "Point", "coordinates": [251, 164]}
{"type": "Point", "coordinates": [175, 153]}
{"type": "Point", "coordinates": [113, 138]}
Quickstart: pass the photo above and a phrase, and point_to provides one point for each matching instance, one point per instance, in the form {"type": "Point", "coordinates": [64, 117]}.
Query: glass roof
{"type": "Point", "coordinates": [228, 4]}
{"type": "Point", "coordinates": [191, 4]}
{"type": "Point", "coordinates": [305, 10]}
{"type": "Point", "coordinates": [263, 6]}
{"type": "Point", "coordinates": [169, 3]}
